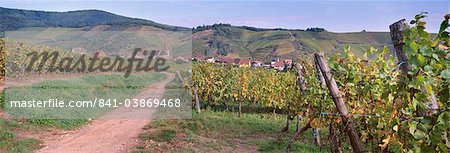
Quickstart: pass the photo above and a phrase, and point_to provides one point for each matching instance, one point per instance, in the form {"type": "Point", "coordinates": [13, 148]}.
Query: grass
{"type": "Point", "coordinates": [10, 142]}
{"type": "Point", "coordinates": [222, 131]}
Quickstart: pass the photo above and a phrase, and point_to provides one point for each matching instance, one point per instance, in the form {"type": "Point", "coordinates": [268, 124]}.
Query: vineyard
{"type": "Point", "coordinates": [382, 102]}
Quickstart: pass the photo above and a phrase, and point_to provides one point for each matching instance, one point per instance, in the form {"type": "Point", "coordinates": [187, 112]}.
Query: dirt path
{"type": "Point", "coordinates": [115, 132]}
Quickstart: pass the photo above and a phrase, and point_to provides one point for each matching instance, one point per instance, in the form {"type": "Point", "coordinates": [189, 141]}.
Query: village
{"type": "Point", "coordinates": [277, 64]}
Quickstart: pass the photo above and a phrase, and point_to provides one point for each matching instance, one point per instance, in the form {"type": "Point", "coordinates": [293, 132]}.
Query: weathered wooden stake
{"type": "Point", "coordinates": [197, 102]}
{"type": "Point", "coordinates": [297, 126]}
{"type": "Point", "coordinates": [397, 29]}
{"type": "Point", "coordinates": [240, 108]}
{"type": "Point", "coordinates": [339, 102]}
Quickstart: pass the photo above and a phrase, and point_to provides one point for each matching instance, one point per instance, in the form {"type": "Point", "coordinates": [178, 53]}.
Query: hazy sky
{"type": "Point", "coordinates": [333, 15]}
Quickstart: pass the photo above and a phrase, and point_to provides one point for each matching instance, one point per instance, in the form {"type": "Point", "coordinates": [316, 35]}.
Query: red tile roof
{"type": "Point", "coordinates": [244, 62]}
{"type": "Point", "coordinates": [279, 64]}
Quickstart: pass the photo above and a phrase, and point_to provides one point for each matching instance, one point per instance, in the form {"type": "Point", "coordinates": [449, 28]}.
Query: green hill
{"type": "Point", "coordinates": [266, 44]}
{"type": "Point", "coordinates": [13, 19]}
{"type": "Point", "coordinates": [215, 40]}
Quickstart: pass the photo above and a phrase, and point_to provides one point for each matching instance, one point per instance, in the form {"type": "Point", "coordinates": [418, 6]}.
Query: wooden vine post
{"type": "Point", "coordinates": [397, 29]}
{"type": "Point", "coordinates": [197, 102]}
{"type": "Point", "coordinates": [339, 102]}
{"type": "Point", "coordinates": [335, 146]}
{"type": "Point", "coordinates": [334, 143]}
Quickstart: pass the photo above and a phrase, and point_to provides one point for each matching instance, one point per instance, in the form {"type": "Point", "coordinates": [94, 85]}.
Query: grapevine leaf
{"type": "Point", "coordinates": [412, 127]}
{"type": "Point", "coordinates": [414, 46]}
{"type": "Point", "coordinates": [444, 118]}
{"type": "Point", "coordinates": [446, 74]}
{"type": "Point", "coordinates": [443, 147]}
{"type": "Point", "coordinates": [421, 60]}
{"type": "Point", "coordinates": [419, 134]}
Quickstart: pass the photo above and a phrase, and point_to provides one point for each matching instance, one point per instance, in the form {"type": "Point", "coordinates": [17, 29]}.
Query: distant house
{"type": "Point", "coordinates": [223, 60]}
{"type": "Point", "coordinates": [229, 61]}
{"type": "Point", "coordinates": [236, 61]}
{"type": "Point", "coordinates": [279, 66]}
{"type": "Point", "coordinates": [210, 59]}
{"type": "Point", "coordinates": [272, 63]}
{"type": "Point", "coordinates": [101, 53]}
{"type": "Point", "coordinates": [182, 58]}
{"type": "Point", "coordinates": [199, 58]}
{"type": "Point", "coordinates": [79, 50]}
{"type": "Point", "coordinates": [257, 63]}
{"type": "Point", "coordinates": [244, 63]}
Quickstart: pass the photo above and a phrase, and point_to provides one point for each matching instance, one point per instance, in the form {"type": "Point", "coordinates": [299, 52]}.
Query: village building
{"type": "Point", "coordinates": [79, 50]}
{"type": "Point", "coordinates": [199, 58]}
{"type": "Point", "coordinates": [236, 61]}
{"type": "Point", "coordinates": [210, 60]}
{"type": "Point", "coordinates": [101, 53]}
{"type": "Point", "coordinates": [279, 66]}
{"type": "Point", "coordinates": [244, 63]}
{"type": "Point", "coordinates": [257, 63]}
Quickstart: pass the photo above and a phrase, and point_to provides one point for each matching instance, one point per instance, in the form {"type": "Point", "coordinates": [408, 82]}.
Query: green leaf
{"type": "Point", "coordinates": [424, 35]}
{"type": "Point", "coordinates": [444, 25]}
{"type": "Point", "coordinates": [443, 147]}
{"type": "Point", "coordinates": [446, 74]}
{"type": "Point", "coordinates": [421, 60]}
{"type": "Point", "coordinates": [421, 23]}
{"type": "Point", "coordinates": [444, 118]}
{"type": "Point", "coordinates": [412, 127]}
{"type": "Point", "coordinates": [415, 103]}
{"type": "Point", "coordinates": [414, 47]}
{"type": "Point", "coordinates": [419, 134]}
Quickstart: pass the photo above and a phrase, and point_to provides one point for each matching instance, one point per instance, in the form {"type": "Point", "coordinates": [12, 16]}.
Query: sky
{"type": "Point", "coordinates": [333, 15]}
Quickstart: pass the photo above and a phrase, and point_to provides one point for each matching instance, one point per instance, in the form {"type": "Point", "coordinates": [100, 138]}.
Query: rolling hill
{"type": "Point", "coordinates": [13, 19]}
{"type": "Point", "coordinates": [266, 44]}
{"type": "Point", "coordinates": [215, 40]}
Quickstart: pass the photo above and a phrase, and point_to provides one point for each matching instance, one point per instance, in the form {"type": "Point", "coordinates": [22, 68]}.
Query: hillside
{"type": "Point", "coordinates": [13, 19]}
{"type": "Point", "coordinates": [215, 40]}
{"type": "Point", "coordinates": [265, 44]}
